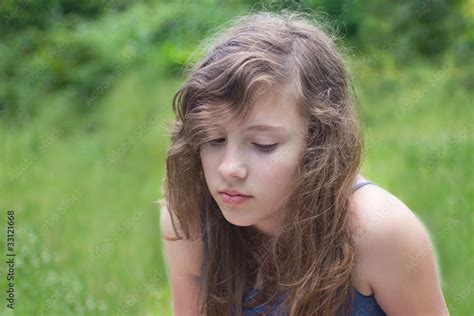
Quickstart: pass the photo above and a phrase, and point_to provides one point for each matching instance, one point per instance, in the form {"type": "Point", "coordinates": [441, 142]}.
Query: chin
{"type": "Point", "coordinates": [237, 219]}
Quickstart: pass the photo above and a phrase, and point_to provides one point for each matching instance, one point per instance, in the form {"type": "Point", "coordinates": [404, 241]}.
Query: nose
{"type": "Point", "coordinates": [232, 166]}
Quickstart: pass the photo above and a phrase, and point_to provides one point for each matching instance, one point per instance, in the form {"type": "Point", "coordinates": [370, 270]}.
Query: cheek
{"type": "Point", "coordinates": [274, 182]}
{"type": "Point", "coordinates": [279, 171]}
{"type": "Point", "coordinates": [207, 166]}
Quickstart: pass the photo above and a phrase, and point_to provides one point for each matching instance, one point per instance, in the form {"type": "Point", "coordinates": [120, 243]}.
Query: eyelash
{"type": "Point", "coordinates": [264, 148]}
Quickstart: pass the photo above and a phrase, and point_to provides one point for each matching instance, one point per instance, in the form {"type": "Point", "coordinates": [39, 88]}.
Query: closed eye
{"type": "Point", "coordinates": [215, 142]}
{"type": "Point", "coordinates": [262, 147]}
{"type": "Point", "coordinates": [267, 148]}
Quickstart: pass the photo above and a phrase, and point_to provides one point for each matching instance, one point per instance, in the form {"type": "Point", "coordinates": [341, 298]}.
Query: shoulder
{"type": "Point", "coordinates": [395, 254]}
{"type": "Point", "coordinates": [183, 258]}
{"type": "Point", "coordinates": [169, 222]}
{"type": "Point", "coordinates": [183, 255]}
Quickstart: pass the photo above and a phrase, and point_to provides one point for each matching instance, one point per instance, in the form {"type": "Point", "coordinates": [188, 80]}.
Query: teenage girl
{"type": "Point", "coordinates": [265, 211]}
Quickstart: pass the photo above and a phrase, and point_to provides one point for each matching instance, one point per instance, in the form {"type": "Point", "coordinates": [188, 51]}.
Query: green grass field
{"type": "Point", "coordinates": [87, 237]}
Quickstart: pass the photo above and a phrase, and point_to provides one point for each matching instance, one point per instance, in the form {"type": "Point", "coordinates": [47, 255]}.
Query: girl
{"type": "Point", "coordinates": [265, 211]}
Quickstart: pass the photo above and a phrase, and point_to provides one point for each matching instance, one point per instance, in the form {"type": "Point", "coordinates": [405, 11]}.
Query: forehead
{"type": "Point", "coordinates": [272, 108]}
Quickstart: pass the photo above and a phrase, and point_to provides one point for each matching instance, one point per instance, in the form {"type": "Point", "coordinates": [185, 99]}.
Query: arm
{"type": "Point", "coordinates": [183, 264]}
{"type": "Point", "coordinates": [404, 275]}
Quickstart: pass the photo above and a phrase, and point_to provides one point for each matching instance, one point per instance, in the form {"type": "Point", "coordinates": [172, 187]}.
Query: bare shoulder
{"type": "Point", "coordinates": [186, 255]}
{"type": "Point", "coordinates": [395, 258]}
{"type": "Point", "coordinates": [183, 260]}
{"type": "Point", "coordinates": [375, 210]}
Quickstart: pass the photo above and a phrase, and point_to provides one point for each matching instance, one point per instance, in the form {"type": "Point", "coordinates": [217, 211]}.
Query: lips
{"type": "Point", "coordinates": [232, 192]}
{"type": "Point", "coordinates": [233, 199]}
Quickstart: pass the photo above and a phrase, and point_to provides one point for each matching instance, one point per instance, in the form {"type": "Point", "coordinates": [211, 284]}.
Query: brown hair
{"type": "Point", "coordinates": [311, 257]}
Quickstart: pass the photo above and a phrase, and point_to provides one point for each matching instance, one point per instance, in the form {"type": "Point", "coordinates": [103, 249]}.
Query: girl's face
{"type": "Point", "coordinates": [258, 158]}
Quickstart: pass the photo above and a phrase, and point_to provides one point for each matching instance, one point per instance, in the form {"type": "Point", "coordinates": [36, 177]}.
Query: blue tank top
{"type": "Point", "coordinates": [361, 305]}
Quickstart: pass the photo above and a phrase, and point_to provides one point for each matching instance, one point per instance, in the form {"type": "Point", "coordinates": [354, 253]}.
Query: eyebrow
{"type": "Point", "coordinates": [264, 128]}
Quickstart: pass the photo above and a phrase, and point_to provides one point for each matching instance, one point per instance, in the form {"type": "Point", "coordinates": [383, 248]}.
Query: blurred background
{"type": "Point", "coordinates": [86, 89]}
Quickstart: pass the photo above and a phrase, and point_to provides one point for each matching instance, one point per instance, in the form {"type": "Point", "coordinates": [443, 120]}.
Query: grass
{"type": "Point", "coordinates": [87, 233]}
{"type": "Point", "coordinates": [83, 188]}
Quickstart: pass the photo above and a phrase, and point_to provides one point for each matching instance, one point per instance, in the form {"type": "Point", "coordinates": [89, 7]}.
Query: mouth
{"type": "Point", "coordinates": [233, 199]}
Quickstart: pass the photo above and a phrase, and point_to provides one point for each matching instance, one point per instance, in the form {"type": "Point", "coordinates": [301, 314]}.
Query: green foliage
{"type": "Point", "coordinates": [78, 50]}
{"type": "Point", "coordinates": [20, 15]}
{"type": "Point", "coordinates": [423, 28]}
{"type": "Point", "coordinates": [80, 59]}
{"type": "Point", "coordinates": [77, 58]}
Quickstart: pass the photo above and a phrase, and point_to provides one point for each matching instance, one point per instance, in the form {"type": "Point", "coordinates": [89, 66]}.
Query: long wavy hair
{"type": "Point", "coordinates": [311, 257]}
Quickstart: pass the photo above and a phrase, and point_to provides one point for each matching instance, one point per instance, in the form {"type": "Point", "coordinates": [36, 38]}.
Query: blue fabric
{"type": "Point", "coordinates": [365, 305]}
{"type": "Point", "coordinates": [359, 185]}
{"type": "Point", "coordinates": [362, 305]}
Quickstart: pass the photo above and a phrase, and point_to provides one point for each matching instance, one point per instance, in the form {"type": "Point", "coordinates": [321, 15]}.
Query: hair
{"type": "Point", "coordinates": [311, 257]}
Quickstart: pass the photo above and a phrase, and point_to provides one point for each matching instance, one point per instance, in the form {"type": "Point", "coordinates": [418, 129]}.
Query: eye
{"type": "Point", "coordinates": [215, 142]}
{"type": "Point", "coordinates": [265, 148]}
{"type": "Point", "coordinates": [261, 147]}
